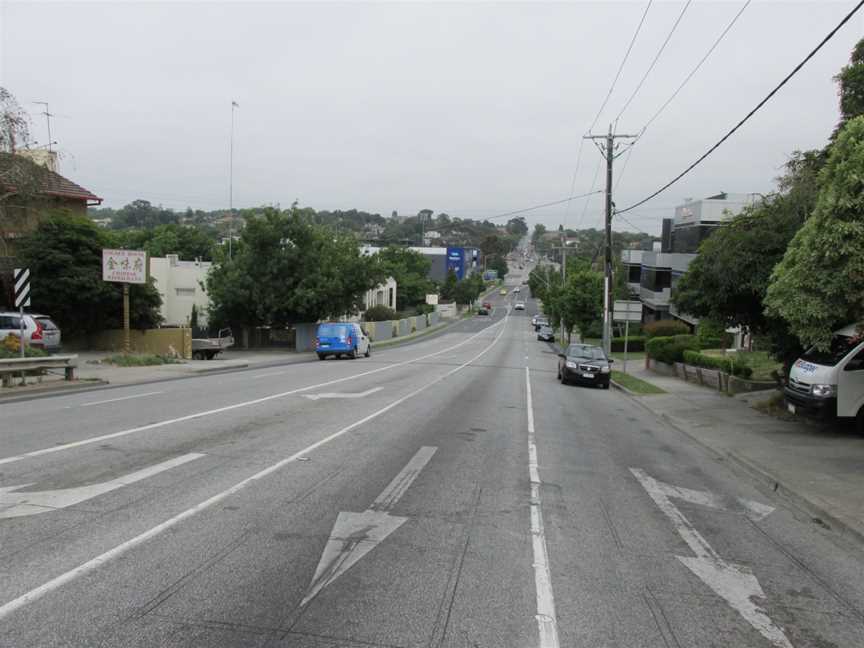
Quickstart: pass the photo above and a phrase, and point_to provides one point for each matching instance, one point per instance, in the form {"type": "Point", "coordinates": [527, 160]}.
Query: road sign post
{"type": "Point", "coordinates": [626, 311]}
{"type": "Point", "coordinates": [22, 299]}
{"type": "Point", "coordinates": [126, 267]}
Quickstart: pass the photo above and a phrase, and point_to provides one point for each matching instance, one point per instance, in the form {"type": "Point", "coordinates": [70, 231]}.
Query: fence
{"type": "Point", "coordinates": [712, 378]}
{"type": "Point", "coordinates": [163, 341]}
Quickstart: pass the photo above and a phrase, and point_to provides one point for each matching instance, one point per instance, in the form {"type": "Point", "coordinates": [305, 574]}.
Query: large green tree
{"type": "Point", "coordinates": [64, 254]}
{"type": "Point", "coordinates": [188, 242]}
{"type": "Point", "coordinates": [851, 82]}
{"type": "Point", "coordinates": [819, 284]}
{"type": "Point", "coordinates": [410, 270]}
{"type": "Point", "coordinates": [287, 269]}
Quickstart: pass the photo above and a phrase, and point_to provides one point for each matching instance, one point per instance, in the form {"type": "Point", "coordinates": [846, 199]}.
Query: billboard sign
{"type": "Point", "coordinates": [124, 266]}
{"type": "Point", "coordinates": [456, 261]}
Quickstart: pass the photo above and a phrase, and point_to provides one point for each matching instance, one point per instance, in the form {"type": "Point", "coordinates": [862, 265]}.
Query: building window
{"type": "Point", "coordinates": [185, 292]}
{"type": "Point", "coordinates": [656, 279]}
{"type": "Point", "coordinates": [390, 299]}
{"type": "Point", "coordinates": [634, 274]}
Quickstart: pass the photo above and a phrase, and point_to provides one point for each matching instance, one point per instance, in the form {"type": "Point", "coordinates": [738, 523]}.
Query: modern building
{"type": "Point", "coordinates": [652, 274]}
{"type": "Point", "coordinates": [462, 260]}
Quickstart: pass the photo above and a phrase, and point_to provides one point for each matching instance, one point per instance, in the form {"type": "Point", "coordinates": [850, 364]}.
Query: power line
{"type": "Point", "coordinates": [654, 62]}
{"type": "Point", "coordinates": [549, 204]}
{"type": "Point", "coordinates": [751, 113]}
{"type": "Point", "coordinates": [621, 67]}
{"type": "Point", "coordinates": [593, 186]}
{"type": "Point", "coordinates": [575, 174]}
{"type": "Point", "coordinates": [698, 65]}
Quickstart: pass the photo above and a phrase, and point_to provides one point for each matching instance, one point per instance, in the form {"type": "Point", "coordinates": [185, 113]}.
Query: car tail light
{"type": "Point", "coordinates": [350, 340]}
{"type": "Point", "coordinates": [317, 341]}
{"type": "Point", "coordinates": [37, 334]}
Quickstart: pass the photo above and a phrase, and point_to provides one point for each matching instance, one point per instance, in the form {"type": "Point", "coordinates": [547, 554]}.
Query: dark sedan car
{"type": "Point", "coordinates": [586, 364]}
{"type": "Point", "coordinates": [546, 334]}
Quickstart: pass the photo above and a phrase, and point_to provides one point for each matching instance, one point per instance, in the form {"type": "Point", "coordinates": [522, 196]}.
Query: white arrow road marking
{"type": "Point", "coordinates": [734, 583]}
{"type": "Point", "coordinates": [344, 395]}
{"type": "Point", "coordinates": [356, 534]}
{"type": "Point", "coordinates": [16, 504]}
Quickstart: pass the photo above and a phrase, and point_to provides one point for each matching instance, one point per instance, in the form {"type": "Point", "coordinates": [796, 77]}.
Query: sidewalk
{"type": "Point", "coordinates": [818, 467]}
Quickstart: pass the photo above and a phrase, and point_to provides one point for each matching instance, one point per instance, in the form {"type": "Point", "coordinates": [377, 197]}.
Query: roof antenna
{"type": "Point", "coordinates": [48, 117]}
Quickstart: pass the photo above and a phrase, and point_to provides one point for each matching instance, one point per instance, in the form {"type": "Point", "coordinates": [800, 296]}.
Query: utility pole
{"type": "Point", "coordinates": [234, 105]}
{"type": "Point", "coordinates": [610, 155]}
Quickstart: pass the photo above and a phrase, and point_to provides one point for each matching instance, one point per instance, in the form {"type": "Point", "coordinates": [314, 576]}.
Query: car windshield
{"type": "Point", "coordinates": [840, 347]}
{"type": "Point", "coordinates": [584, 352]}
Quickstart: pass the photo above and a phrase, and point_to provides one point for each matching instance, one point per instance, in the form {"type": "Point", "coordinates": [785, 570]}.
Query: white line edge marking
{"type": "Point", "coordinates": [547, 619]}
{"type": "Point", "coordinates": [122, 398]}
{"type": "Point", "coordinates": [227, 408]}
{"type": "Point", "coordinates": [8, 608]}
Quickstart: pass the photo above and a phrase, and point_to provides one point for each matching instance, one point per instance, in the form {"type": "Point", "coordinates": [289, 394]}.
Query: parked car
{"type": "Point", "coordinates": [341, 338]}
{"type": "Point", "coordinates": [40, 332]}
{"type": "Point", "coordinates": [502, 292]}
{"type": "Point", "coordinates": [540, 323]}
{"type": "Point", "coordinates": [519, 306]}
{"type": "Point", "coordinates": [830, 384]}
{"type": "Point", "coordinates": [487, 305]}
{"type": "Point", "coordinates": [546, 334]}
{"type": "Point", "coordinates": [482, 311]}
{"type": "Point", "coordinates": [584, 363]}
{"type": "Point", "coordinates": [517, 289]}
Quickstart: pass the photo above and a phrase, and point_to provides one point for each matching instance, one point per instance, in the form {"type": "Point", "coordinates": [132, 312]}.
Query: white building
{"type": "Point", "coordinates": [180, 284]}
{"type": "Point", "coordinates": [383, 294]}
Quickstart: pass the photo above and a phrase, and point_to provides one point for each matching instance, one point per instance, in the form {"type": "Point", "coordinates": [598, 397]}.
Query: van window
{"type": "Point", "coordinates": [840, 347]}
{"type": "Point", "coordinates": [333, 330]}
{"type": "Point", "coordinates": [856, 363]}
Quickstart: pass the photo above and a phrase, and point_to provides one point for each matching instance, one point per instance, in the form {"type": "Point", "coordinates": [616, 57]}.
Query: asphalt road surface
{"type": "Point", "coordinates": [445, 493]}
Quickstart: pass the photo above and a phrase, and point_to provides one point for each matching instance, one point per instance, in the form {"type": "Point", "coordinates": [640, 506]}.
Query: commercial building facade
{"type": "Point", "coordinates": [653, 274]}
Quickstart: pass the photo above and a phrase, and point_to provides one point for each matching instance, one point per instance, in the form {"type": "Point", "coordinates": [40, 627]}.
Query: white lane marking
{"type": "Point", "coordinates": [343, 394]}
{"type": "Point", "coordinates": [85, 568]}
{"type": "Point", "coordinates": [754, 510]}
{"type": "Point", "coordinates": [122, 398]}
{"type": "Point", "coordinates": [16, 504]}
{"type": "Point", "coordinates": [227, 408]}
{"type": "Point", "coordinates": [356, 534]}
{"type": "Point", "coordinates": [268, 375]}
{"type": "Point", "coordinates": [736, 584]}
{"type": "Point", "coordinates": [547, 619]}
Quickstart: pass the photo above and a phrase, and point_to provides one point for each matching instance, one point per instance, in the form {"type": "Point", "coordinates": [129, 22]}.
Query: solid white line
{"type": "Point", "coordinates": [400, 483]}
{"type": "Point", "coordinates": [267, 375]}
{"type": "Point", "coordinates": [119, 550]}
{"type": "Point", "coordinates": [227, 408]}
{"type": "Point", "coordinates": [122, 398]}
{"type": "Point", "coordinates": [547, 619]}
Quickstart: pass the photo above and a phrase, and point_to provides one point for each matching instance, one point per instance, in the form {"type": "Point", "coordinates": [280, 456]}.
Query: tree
{"type": "Point", "coordinates": [448, 290]}
{"type": "Point", "coordinates": [287, 269]}
{"type": "Point", "coordinates": [64, 254]}
{"type": "Point", "coordinates": [409, 269]}
{"type": "Point", "coordinates": [819, 284]}
{"type": "Point", "coordinates": [851, 82]}
{"type": "Point", "coordinates": [517, 226]}
{"type": "Point", "coordinates": [14, 123]}
{"type": "Point", "coordinates": [187, 242]}
{"type": "Point", "coordinates": [581, 301]}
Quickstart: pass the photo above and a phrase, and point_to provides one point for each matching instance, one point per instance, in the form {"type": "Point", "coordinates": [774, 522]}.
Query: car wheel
{"type": "Point", "coordinates": [859, 421]}
{"type": "Point", "coordinates": [606, 385]}
{"type": "Point", "coordinates": [354, 355]}
{"type": "Point", "coordinates": [322, 356]}
{"type": "Point", "coordinates": [338, 356]}
{"type": "Point", "coordinates": [368, 351]}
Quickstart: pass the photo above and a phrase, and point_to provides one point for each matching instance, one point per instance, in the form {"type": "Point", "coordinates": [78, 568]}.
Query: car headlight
{"type": "Point", "coordinates": [572, 365]}
{"type": "Point", "coordinates": [604, 369]}
{"type": "Point", "coordinates": [823, 391]}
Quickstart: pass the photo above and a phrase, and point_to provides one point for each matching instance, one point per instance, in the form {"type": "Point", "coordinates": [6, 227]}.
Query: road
{"type": "Point", "coordinates": [445, 493]}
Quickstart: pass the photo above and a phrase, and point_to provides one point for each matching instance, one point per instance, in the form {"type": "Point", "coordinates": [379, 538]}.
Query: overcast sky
{"type": "Point", "coordinates": [470, 108]}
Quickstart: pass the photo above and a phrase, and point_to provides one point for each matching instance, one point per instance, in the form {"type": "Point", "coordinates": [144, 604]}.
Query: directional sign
{"type": "Point", "coordinates": [344, 395]}
{"type": "Point", "coordinates": [17, 504]}
{"type": "Point", "coordinates": [356, 534]}
{"type": "Point", "coordinates": [22, 287]}
{"type": "Point", "coordinates": [627, 310]}
{"type": "Point", "coordinates": [736, 584]}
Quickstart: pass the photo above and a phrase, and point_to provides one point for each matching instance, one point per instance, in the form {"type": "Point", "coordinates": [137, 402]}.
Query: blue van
{"type": "Point", "coordinates": [341, 338]}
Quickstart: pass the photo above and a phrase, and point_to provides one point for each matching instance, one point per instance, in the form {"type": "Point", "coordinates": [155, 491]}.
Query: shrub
{"type": "Point", "coordinates": [634, 343]}
{"type": "Point", "coordinates": [726, 365]}
{"type": "Point", "coordinates": [711, 342]}
{"type": "Point", "coordinates": [380, 313]}
{"type": "Point", "coordinates": [665, 328]}
{"type": "Point", "coordinates": [423, 309]}
{"type": "Point", "coordinates": [671, 349]}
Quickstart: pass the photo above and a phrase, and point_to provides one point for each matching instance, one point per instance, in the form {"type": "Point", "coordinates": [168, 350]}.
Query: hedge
{"type": "Point", "coordinates": [724, 364]}
{"type": "Point", "coordinates": [671, 349]}
{"type": "Point", "coordinates": [634, 343]}
{"type": "Point", "coordinates": [665, 328]}
{"type": "Point", "coordinates": [380, 313]}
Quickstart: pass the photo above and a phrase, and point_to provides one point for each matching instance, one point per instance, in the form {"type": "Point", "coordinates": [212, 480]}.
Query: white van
{"type": "Point", "coordinates": [830, 383]}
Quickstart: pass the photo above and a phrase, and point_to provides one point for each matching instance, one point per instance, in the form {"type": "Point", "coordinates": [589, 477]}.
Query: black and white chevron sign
{"type": "Point", "coordinates": [22, 287]}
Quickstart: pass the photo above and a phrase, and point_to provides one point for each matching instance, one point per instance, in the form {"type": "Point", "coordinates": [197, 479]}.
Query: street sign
{"type": "Point", "coordinates": [627, 311]}
{"type": "Point", "coordinates": [22, 287]}
{"type": "Point", "coordinates": [124, 266]}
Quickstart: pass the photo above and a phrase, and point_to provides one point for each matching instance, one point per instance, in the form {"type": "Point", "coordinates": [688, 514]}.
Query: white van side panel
{"type": "Point", "coordinates": [850, 386]}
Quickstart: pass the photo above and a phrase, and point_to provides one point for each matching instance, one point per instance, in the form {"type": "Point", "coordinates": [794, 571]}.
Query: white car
{"type": "Point", "coordinates": [517, 289]}
{"type": "Point", "coordinates": [39, 331]}
{"type": "Point", "coordinates": [519, 306]}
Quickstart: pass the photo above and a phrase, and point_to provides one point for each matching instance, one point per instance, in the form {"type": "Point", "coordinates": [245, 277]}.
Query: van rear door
{"type": "Point", "coordinates": [333, 337]}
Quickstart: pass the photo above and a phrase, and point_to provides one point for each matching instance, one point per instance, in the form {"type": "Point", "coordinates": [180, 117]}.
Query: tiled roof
{"type": "Point", "coordinates": [52, 183]}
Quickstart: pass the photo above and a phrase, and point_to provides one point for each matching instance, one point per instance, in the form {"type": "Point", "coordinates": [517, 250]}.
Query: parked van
{"type": "Point", "coordinates": [829, 384]}
{"type": "Point", "coordinates": [341, 338]}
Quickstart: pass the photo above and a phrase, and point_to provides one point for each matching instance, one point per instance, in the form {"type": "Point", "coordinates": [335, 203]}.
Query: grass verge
{"type": "Point", "coordinates": [636, 385]}
{"type": "Point", "coordinates": [143, 360]}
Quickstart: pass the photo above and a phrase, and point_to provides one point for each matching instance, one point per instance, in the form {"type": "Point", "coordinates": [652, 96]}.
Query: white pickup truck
{"type": "Point", "coordinates": [829, 384]}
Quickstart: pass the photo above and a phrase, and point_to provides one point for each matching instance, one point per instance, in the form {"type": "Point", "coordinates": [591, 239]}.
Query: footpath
{"type": "Point", "coordinates": [818, 467]}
